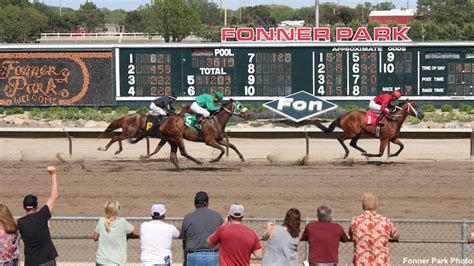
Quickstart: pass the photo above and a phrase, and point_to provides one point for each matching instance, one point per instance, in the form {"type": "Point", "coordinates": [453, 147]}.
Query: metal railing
{"type": "Point", "coordinates": [420, 239]}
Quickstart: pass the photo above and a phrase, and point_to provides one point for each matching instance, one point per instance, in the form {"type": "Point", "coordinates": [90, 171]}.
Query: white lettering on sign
{"type": "Point", "coordinates": [438, 89]}
{"type": "Point", "coordinates": [223, 52]}
{"type": "Point", "coordinates": [426, 89]}
{"type": "Point", "coordinates": [438, 78]}
{"type": "Point", "coordinates": [212, 71]}
{"type": "Point", "coordinates": [299, 105]}
{"type": "Point", "coordinates": [426, 79]}
{"type": "Point", "coordinates": [433, 68]}
{"type": "Point", "coordinates": [387, 88]}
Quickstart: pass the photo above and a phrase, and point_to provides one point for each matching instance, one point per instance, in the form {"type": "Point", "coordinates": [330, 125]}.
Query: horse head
{"type": "Point", "coordinates": [236, 108]}
{"type": "Point", "coordinates": [412, 109]}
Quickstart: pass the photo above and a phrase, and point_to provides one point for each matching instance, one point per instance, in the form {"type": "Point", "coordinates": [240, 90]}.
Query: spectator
{"type": "Point", "coordinates": [9, 238]}
{"type": "Point", "coordinates": [370, 232]}
{"type": "Point", "coordinates": [196, 228]}
{"type": "Point", "coordinates": [238, 243]}
{"type": "Point", "coordinates": [282, 248]}
{"type": "Point", "coordinates": [471, 238]}
{"type": "Point", "coordinates": [323, 238]}
{"type": "Point", "coordinates": [111, 232]}
{"type": "Point", "coordinates": [156, 238]}
{"type": "Point", "coordinates": [34, 227]}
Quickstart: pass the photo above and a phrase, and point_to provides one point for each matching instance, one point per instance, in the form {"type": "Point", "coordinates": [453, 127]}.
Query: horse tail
{"type": "Point", "coordinates": [113, 126]}
{"type": "Point", "coordinates": [331, 127]}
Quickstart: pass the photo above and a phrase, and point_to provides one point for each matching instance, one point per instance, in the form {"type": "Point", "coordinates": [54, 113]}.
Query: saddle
{"type": "Point", "coordinates": [153, 125]}
{"type": "Point", "coordinates": [371, 118]}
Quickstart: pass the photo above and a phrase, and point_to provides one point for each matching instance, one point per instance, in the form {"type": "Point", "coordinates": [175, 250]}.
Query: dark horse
{"type": "Point", "coordinates": [174, 131]}
{"type": "Point", "coordinates": [353, 125]}
{"type": "Point", "coordinates": [131, 125]}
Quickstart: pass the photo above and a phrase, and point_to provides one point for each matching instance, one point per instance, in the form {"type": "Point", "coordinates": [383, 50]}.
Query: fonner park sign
{"type": "Point", "coordinates": [319, 34]}
{"type": "Point", "coordinates": [300, 106]}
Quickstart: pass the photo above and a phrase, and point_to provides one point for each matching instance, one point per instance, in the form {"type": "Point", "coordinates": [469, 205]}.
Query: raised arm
{"type": "Point", "coordinates": [54, 188]}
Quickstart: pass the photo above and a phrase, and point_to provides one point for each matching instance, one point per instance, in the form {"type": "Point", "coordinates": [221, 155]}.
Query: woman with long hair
{"type": "Point", "coordinates": [111, 232]}
{"type": "Point", "coordinates": [9, 238]}
{"type": "Point", "coordinates": [282, 248]}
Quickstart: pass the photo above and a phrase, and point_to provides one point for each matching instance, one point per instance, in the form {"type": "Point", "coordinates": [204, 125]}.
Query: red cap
{"type": "Point", "coordinates": [396, 94]}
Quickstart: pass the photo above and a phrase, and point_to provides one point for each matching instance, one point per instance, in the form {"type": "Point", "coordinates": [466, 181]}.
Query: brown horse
{"type": "Point", "coordinates": [131, 125]}
{"type": "Point", "coordinates": [353, 125]}
{"type": "Point", "coordinates": [174, 131]}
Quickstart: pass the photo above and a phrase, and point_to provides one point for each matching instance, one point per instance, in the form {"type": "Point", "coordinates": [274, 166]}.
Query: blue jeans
{"type": "Point", "coordinates": [203, 259]}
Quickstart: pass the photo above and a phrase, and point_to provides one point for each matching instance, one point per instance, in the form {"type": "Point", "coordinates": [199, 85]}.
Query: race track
{"type": "Point", "coordinates": [432, 179]}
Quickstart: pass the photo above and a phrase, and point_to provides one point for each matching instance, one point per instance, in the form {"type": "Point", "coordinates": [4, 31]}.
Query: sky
{"type": "Point", "coordinates": [232, 4]}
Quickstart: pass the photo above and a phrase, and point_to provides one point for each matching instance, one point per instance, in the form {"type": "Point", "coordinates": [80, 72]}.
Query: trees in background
{"type": "Point", "coordinates": [172, 19]}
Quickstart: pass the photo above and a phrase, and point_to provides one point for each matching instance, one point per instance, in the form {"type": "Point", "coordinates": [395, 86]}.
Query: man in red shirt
{"type": "Point", "coordinates": [323, 238]}
{"type": "Point", "coordinates": [381, 103]}
{"type": "Point", "coordinates": [237, 243]}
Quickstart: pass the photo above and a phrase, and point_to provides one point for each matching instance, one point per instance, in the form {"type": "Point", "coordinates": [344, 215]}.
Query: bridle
{"type": "Point", "coordinates": [410, 108]}
{"type": "Point", "coordinates": [232, 112]}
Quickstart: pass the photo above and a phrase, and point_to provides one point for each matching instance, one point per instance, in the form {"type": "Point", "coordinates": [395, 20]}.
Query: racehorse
{"type": "Point", "coordinates": [353, 124]}
{"type": "Point", "coordinates": [131, 125]}
{"type": "Point", "coordinates": [174, 131]}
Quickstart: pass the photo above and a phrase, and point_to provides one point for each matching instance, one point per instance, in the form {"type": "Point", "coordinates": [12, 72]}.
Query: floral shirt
{"type": "Point", "coordinates": [8, 247]}
{"type": "Point", "coordinates": [370, 232]}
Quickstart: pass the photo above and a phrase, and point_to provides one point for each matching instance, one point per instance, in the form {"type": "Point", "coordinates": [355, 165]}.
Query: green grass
{"type": "Point", "coordinates": [256, 124]}
{"type": "Point", "coordinates": [446, 108]}
{"type": "Point", "coordinates": [14, 111]}
{"type": "Point", "coordinates": [428, 108]}
{"type": "Point", "coordinates": [2, 110]}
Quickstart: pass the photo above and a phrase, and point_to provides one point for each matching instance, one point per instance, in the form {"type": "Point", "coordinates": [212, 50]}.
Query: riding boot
{"type": "Point", "coordinates": [378, 122]}
{"type": "Point", "coordinates": [199, 119]}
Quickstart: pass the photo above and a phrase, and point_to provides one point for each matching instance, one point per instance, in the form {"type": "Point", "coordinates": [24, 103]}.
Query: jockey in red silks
{"type": "Point", "coordinates": [381, 104]}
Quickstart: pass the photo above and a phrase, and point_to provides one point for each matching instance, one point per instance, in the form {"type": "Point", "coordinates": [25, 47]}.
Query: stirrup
{"type": "Point", "coordinates": [377, 131]}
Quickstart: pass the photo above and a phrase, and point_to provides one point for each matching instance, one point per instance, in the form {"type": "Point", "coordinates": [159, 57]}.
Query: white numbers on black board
{"type": "Point", "coordinates": [250, 88]}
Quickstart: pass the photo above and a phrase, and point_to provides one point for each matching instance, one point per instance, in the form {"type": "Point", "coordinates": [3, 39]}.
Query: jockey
{"type": "Point", "coordinates": [163, 105]}
{"type": "Point", "coordinates": [381, 104]}
{"type": "Point", "coordinates": [205, 103]}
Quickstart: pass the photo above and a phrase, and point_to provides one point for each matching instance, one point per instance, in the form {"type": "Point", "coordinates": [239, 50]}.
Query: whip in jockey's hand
{"type": "Point", "coordinates": [381, 104]}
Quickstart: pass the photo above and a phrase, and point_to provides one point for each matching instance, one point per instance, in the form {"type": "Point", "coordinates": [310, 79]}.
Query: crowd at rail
{"type": "Point", "coordinates": [208, 239]}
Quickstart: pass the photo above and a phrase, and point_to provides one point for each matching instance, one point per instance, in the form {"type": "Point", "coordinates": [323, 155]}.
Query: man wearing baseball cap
{"type": "Point", "coordinates": [156, 238]}
{"type": "Point", "coordinates": [238, 243]}
{"type": "Point", "coordinates": [196, 228]}
{"type": "Point", "coordinates": [34, 229]}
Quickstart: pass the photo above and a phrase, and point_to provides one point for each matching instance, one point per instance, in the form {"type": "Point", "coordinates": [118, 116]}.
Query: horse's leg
{"type": "Point", "coordinates": [383, 145]}
{"type": "Point", "coordinates": [232, 146]}
{"type": "Point", "coordinates": [213, 143]}
{"type": "Point", "coordinates": [354, 144]}
{"type": "Point", "coordinates": [120, 148]}
{"type": "Point", "coordinates": [157, 149]}
{"type": "Point", "coordinates": [173, 157]}
{"type": "Point", "coordinates": [399, 143]}
{"type": "Point", "coordinates": [183, 151]}
{"type": "Point", "coordinates": [114, 139]}
{"type": "Point", "coordinates": [341, 140]}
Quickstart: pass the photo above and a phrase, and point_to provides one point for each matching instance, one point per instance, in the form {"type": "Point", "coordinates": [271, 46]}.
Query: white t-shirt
{"type": "Point", "coordinates": [155, 241]}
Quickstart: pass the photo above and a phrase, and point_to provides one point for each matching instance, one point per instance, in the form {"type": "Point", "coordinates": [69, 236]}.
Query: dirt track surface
{"type": "Point", "coordinates": [412, 186]}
